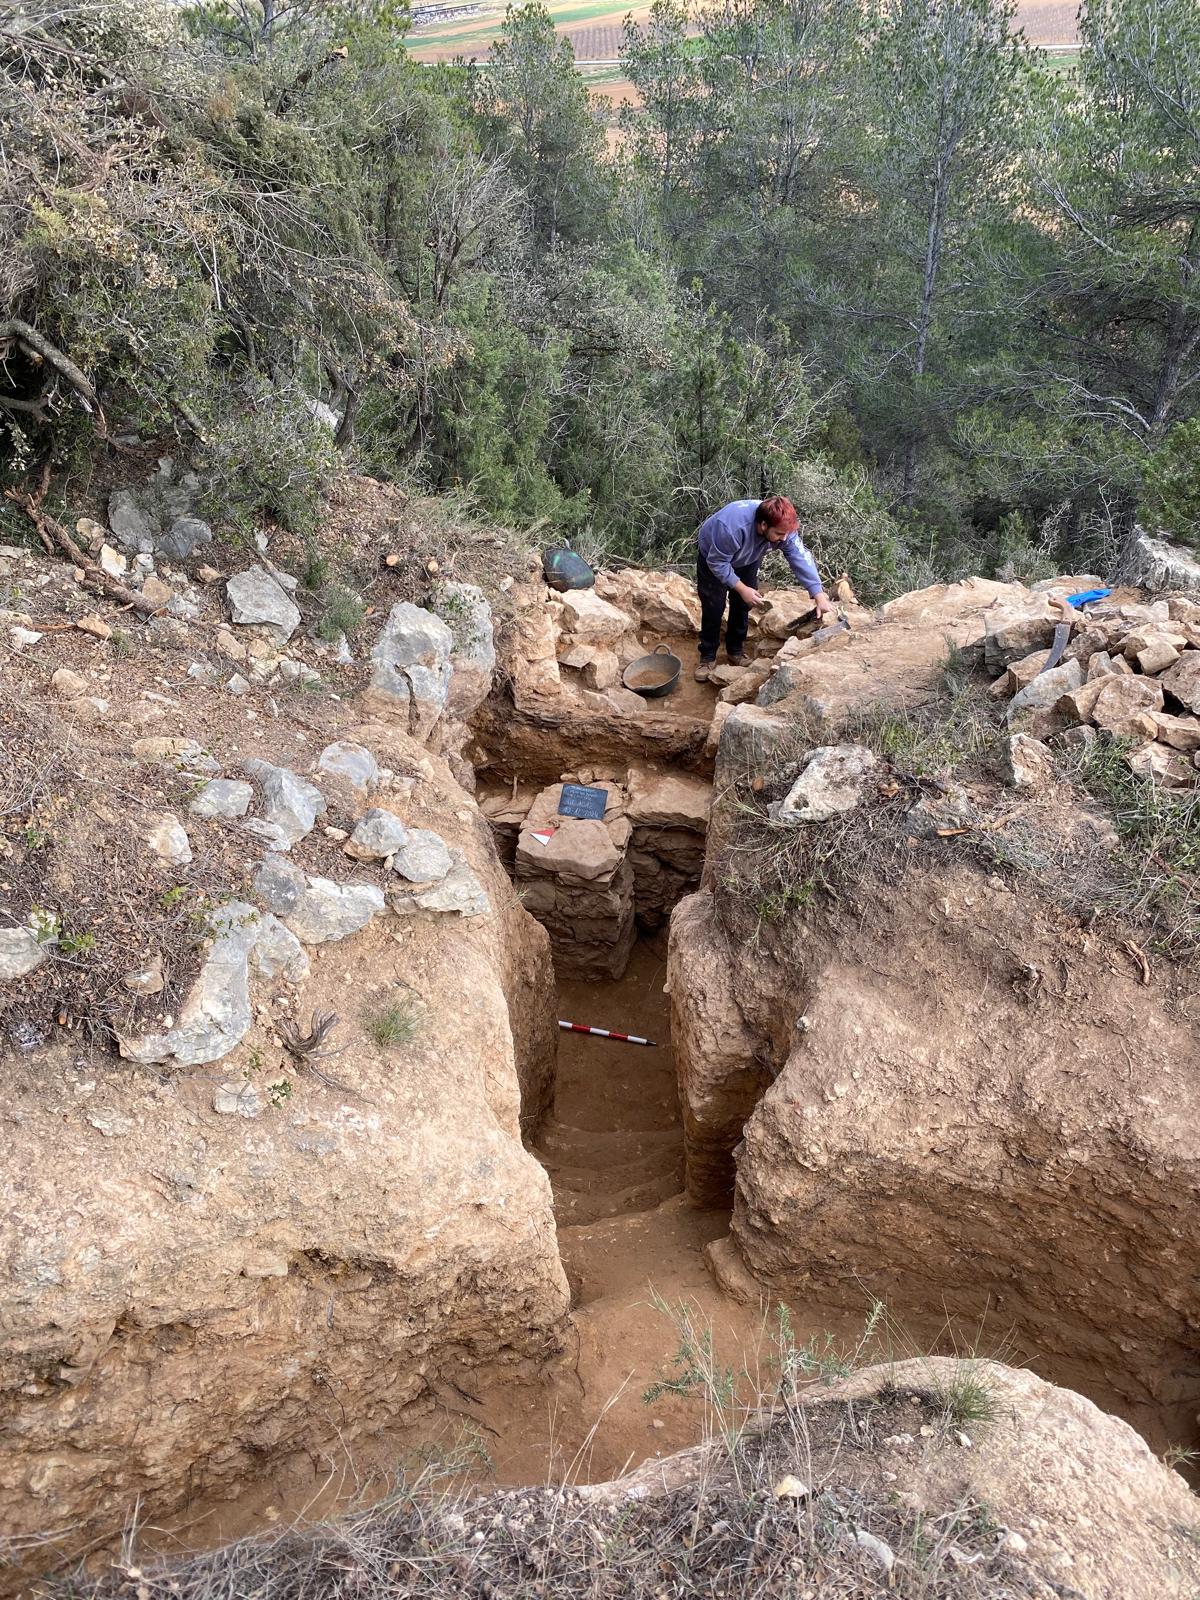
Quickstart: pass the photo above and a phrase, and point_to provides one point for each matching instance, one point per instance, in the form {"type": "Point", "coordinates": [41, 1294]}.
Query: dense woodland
{"type": "Point", "coordinates": [878, 254]}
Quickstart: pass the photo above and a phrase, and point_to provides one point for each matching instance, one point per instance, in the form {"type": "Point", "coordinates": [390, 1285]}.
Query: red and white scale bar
{"type": "Point", "coordinates": [606, 1033]}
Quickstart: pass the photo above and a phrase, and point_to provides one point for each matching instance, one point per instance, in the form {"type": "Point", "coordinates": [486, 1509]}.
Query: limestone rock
{"type": "Point", "coordinates": [157, 592]}
{"type": "Point", "coordinates": [1161, 765]}
{"type": "Point", "coordinates": [1028, 764]}
{"type": "Point", "coordinates": [71, 685]}
{"type": "Point", "coordinates": [279, 886]}
{"type": "Point", "coordinates": [290, 804]}
{"type": "Point", "coordinates": [412, 668]}
{"type": "Point", "coordinates": [378, 835]}
{"type": "Point", "coordinates": [459, 892]}
{"type": "Point", "coordinates": [216, 1014]}
{"type": "Point", "coordinates": [20, 954]}
{"type": "Point", "coordinates": [1181, 733]}
{"type": "Point", "coordinates": [713, 738]}
{"type": "Point", "coordinates": [158, 516]}
{"type": "Point", "coordinates": [586, 617]}
{"type": "Point", "coordinates": [256, 598]}
{"type": "Point", "coordinates": [663, 602]}
{"type": "Point", "coordinates": [328, 911]}
{"type": "Point", "coordinates": [1046, 689]}
{"type": "Point", "coordinates": [227, 798]}
{"type": "Point", "coordinates": [1020, 674]}
{"type": "Point", "coordinates": [277, 953]}
{"type": "Point", "coordinates": [785, 610]}
{"type": "Point", "coordinates": [352, 762]}
{"type": "Point", "coordinates": [112, 562]}
{"type": "Point", "coordinates": [1183, 680]}
{"type": "Point", "coordinates": [1156, 565]}
{"type": "Point", "coordinates": [668, 800]}
{"type": "Point", "coordinates": [1122, 699]}
{"type": "Point", "coordinates": [422, 857]}
{"type": "Point", "coordinates": [464, 609]}
{"type": "Point", "coordinates": [146, 980]}
{"type": "Point", "coordinates": [169, 841]}
{"type": "Point", "coordinates": [748, 735]}
{"type": "Point", "coordinates": [832, 780]}
{"type": "Point", "coordinates": [1013, 631]}
{"type": "Point", "coordinates": [745, 684]}
{"type": "Point", "coordinates": [1155, 648]}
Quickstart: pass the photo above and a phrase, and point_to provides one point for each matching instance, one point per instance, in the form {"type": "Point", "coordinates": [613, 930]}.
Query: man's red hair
{"type": "Point", "coordinates": [776, 512]}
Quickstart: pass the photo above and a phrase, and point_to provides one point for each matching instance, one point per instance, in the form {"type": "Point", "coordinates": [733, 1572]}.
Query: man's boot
{"type": "Point", "coordinates": [703, 670]}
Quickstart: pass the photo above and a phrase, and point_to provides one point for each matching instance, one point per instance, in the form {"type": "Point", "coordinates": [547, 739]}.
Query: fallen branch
{"type": "Point", "coordinates": [52, 533]}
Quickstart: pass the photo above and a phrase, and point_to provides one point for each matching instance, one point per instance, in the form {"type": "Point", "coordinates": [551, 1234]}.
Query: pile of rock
{"type": "Point", "coordinates": [578, 882]}
{"type": "Point", "coordinates": [594, 883]}
{"type": "Point", "coordinates": [668, 813]}
{"type": "Point", "coordinates": [1132, 670]}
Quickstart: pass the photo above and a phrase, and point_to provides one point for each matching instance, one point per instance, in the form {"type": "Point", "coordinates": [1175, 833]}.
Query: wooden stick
{"type": "Point", "coordinates": [53, 533]}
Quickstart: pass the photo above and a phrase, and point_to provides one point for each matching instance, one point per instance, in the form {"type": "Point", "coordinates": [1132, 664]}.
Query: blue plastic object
{"type": "Point", "coordinates": [1086, 596]}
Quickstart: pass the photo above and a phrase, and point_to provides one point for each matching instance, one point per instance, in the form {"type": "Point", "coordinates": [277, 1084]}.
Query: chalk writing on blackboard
{"type": "Point", "coordinates": [580, 801]}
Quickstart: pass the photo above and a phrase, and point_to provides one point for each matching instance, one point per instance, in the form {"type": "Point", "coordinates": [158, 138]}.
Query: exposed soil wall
{"type": "Point", "coordinates": [213, 1267]}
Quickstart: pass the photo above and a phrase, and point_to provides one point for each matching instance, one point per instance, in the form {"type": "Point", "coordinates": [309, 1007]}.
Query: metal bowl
{"type": "Point", "coordinates": [653, 675]}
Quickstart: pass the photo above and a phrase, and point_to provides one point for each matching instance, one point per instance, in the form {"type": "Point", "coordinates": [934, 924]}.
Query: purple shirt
{"type": "Point", "coordinates": [729, 539]}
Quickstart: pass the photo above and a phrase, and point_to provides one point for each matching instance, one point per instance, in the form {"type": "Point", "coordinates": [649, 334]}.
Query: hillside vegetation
{"type": "Point", "coordinates": [945, 297]}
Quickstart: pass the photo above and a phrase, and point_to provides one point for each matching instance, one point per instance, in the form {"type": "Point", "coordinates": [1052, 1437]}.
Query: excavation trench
{"type": "Point", "coordinates": [635, 1245]}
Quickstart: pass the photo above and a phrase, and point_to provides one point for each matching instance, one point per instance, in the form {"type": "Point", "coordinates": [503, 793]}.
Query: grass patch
{"type": "Point", "coordinates": [967, 1399]}
{"type": "Point", "coordinates": [395, 1025]}
{"type": "Point", "coordinates": [1156, 876]}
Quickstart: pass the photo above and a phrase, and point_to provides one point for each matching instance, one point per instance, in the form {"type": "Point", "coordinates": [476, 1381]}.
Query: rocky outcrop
{"type": "Point", "coordinates": [1157, 565]}
{"type": "Point", "coordinates": [1129, 668]}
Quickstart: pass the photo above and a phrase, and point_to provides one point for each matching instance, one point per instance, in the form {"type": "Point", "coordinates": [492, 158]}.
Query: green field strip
{"type": "Point", "coordinates": [563, 16]}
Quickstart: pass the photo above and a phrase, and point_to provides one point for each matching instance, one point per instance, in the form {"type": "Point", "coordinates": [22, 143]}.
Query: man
{"type": "Point", "coordinates": [733, 542]}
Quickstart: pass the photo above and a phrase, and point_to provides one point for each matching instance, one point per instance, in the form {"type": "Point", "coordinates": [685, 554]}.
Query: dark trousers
{"type": "Point", "coordinates": [713, 597]}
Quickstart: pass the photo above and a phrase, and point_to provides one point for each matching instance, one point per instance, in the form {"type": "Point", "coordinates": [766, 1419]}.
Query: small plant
{"type": "Point", "coordinates": [120, 644]}
{"type": "Point", "coordinates": [45, 924]}
{"type": "Point", "coordinates": [1176, 1456]}
{"type": "Point", "coordinates": [343, 613]}
{"type": "Point", "coordinates": [317, 570]}
{"type": "Point", "coordinates": [35, 838]}
{"type": "Point", "coordinates": [255, 1062]}
{"type": "Point", "coordinates": [771, 907]}
{"type": "Point", "coordinates": [395, 1025]}
{"type": "Point", "coordinates": [76, 944]}
{"type": "Point", "coordinates": [280, 1092]}
{"type": "Point", "coordinates": [698, 1375]}
{"type": "Point", "coordinates": [967, 1399]}
{"type": "Point", "coordinates": [170, 898]}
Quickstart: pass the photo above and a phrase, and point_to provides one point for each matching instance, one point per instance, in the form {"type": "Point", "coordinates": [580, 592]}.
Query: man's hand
{"type": "Point", "coordinates": [749, 595]}
{"type": "Point", "coordinates": [825, 606]}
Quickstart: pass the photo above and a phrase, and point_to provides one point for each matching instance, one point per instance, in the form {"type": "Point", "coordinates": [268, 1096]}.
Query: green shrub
{"type": "Point", "coordinates": [1172, 489]}
{"type": "Point", "coordinates": [268, 456]}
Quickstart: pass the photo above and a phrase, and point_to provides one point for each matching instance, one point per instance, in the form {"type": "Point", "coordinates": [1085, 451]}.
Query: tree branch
{"type": "Point", "coordinates": [41, 348]}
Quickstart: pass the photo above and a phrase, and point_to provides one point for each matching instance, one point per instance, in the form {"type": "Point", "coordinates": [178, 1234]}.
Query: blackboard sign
{"type": "Point", "coordinates": [578, 801]}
